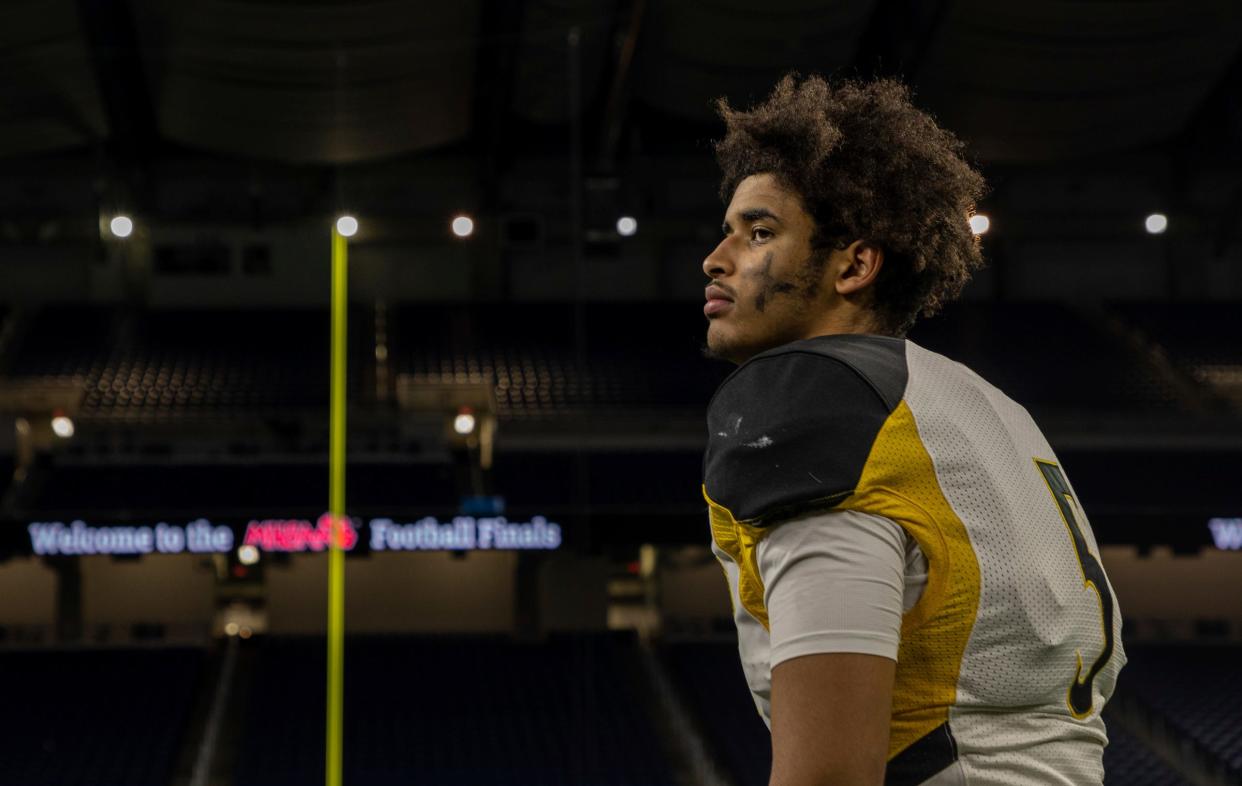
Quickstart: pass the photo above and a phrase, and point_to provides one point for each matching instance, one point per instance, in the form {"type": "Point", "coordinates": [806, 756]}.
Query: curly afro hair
{"type": "Point", "coordinates": [867, 165]}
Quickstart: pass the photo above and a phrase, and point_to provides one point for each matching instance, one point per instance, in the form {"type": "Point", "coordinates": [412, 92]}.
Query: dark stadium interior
{"type": "Point", "coordinates": [174, 375]}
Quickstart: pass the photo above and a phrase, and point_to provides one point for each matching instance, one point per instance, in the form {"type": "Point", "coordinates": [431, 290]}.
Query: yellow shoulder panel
{"type": "Point", "coordinates": [741, 542]}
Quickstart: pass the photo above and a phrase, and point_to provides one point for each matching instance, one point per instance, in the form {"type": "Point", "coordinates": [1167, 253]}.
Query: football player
{"type": "Point", "coordinates": [918, 595]}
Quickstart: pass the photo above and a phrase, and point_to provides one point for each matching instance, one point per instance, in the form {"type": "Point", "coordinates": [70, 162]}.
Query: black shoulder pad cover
{"type": "Point", "coordinates": [791, 429]}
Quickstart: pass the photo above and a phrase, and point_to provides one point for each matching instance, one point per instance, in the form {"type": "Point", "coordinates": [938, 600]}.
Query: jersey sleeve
{"type": "Point", "coordinates": [789, 434]}
{"type": "Point", "coordinates": [834, 582]}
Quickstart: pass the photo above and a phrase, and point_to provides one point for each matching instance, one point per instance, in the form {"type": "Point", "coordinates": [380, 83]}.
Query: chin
{"type": "Point", "coordinates": [721, 346]}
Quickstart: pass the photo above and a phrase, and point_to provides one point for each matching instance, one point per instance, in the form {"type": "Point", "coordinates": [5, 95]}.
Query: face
{"type": "Point", "coordinates": [773, 287]}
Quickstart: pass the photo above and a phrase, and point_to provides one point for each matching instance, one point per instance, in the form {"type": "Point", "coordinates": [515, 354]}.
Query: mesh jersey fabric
{"type": "Point", "coordinates": [1014, 646]}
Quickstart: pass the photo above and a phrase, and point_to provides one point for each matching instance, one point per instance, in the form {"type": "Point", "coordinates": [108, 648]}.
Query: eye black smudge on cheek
{"type": "Point", "coordinates": [769, 285]}
{"type": "Point", "coordinates": [764, 275]}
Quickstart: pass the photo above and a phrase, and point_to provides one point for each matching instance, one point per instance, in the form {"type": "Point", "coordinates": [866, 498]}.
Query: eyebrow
{"type": "Point", "coordinates": [751, 215]}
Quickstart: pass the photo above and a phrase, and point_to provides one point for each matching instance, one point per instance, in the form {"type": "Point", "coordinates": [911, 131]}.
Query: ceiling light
{"type": "Point", "coordinates": [62, 426]}
{"type": "Point", "coordinates": [347, 226]}
{"type": "Point", "coordinates": [121, 226]}
{"type": "Point", "coordinates": [464, 423]}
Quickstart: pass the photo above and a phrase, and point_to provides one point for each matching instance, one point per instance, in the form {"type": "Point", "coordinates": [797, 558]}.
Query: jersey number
{"type": "Point", "coordinates": [1079, 696]}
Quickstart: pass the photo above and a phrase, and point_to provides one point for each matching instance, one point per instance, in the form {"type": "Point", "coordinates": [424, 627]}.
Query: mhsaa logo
{"type": "Point", "coordinates": [299, 534]}
{"type": "Point", "coordinates": [1227, 533]}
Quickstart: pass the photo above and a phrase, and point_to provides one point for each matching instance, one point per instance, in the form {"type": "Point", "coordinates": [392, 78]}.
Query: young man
{"type": "Point", "coordinates": [918, 596]}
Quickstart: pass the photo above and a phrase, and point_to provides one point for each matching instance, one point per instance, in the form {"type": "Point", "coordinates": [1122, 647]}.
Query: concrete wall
{"type": "Point", "coordinates": [573, 593]}
{"type": "Point", "coordinates": [434, 592]}
{"type": "Point", "coordinates": [693, 587]}
{"type": "Point", "coordinates": [397, 592]}
{"type": "Point", "coordinates": [1167, 586]}
{"type": "Point", "coordinates": [171, 589]}
{"type": "Point", "coordinates": [27, 593]}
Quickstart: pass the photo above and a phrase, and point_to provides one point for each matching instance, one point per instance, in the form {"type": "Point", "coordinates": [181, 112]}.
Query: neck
{"type": "Point", "coordinates": [845, 318]}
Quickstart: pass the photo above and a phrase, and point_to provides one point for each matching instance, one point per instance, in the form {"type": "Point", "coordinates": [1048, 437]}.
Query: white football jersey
{"type": "Point", "coordinates": [1009, 650]}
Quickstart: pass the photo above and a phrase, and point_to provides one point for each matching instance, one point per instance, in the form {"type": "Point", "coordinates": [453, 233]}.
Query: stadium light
{"type": "Point", "coordinates": [247, 554]}
{"type": "Point", "coordinates": [62, 426]}
{"type": "Point", "coordinates": [464, 423]}
{"type": "Point", "coordinates": [347, 226]}
{"type": "Point", "coordinates": [121, 226]}
{"type": "Point", "coordinates": [463, 226]}
{"type": "Point", "coordinates": [1156, 223]}
{"type": "Point", "coordinates": [627, 226]}
{"type": "Point", "coordinates": [979, 224]}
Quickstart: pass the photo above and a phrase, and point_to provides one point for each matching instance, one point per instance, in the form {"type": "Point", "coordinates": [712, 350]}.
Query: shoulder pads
{"type": "Point", "coordinates": [790, 430]}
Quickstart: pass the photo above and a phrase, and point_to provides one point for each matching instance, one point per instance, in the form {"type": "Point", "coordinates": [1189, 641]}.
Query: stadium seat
{"type": "Point", "coordinates": [113, 717]}
{"type": "Point", "coordinates": [456, 710]}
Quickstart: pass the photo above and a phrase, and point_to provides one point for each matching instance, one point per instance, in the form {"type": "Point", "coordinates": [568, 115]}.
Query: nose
{"type": "Point", "coordinates": [718, 263]}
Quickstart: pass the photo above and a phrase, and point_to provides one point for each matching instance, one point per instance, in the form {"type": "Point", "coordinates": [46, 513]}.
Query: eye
{"type": "Point", "coordinates": [760, 233]}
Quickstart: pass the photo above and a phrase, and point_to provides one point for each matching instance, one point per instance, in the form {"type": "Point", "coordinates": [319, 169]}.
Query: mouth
{"type": "Point", "coordinates": [718, 301]}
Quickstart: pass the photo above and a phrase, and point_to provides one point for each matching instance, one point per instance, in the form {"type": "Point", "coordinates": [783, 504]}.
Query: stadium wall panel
{"type": "Point", "coordinates": [27, 593]}
{"type": "Point", "coordinates": [172, 589]}
{"type": "Point", "coordinates": [573, 593]}
{"type": "Point", "coordinates": [1164, 585]}
{"type": "Point", "coordinates": [397, 593]}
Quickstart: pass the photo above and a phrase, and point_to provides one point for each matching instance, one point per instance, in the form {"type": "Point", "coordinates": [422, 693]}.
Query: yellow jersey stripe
{"type": "Point", "coordinates": [934, 633]}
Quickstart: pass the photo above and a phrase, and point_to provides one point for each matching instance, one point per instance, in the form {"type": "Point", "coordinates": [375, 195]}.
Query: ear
{"type": "Point", "coordinates": [862, 262]}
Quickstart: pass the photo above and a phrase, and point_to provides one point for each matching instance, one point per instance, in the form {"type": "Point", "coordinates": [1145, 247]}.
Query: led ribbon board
{"type": "Point", "coordinates": [78, 538]}
{"type": "Point", "coordinates": [464, 533]}
{"type": "Point", "coordinates": [1226, 533]}
{"type": "Point", "coordinates": [291, 536]}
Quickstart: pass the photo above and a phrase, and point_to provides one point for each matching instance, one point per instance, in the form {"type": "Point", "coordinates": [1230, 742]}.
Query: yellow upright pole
{"type": "Point", "coordinates": [336, 507]}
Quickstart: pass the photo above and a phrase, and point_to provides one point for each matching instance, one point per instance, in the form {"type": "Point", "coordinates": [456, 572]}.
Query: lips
{"type": "Point", "coordinates": [717, 301]}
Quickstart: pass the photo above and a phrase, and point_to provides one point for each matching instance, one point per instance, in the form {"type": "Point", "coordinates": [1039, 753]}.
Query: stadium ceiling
{"type": "Point", "coordinates": [335, 82]}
